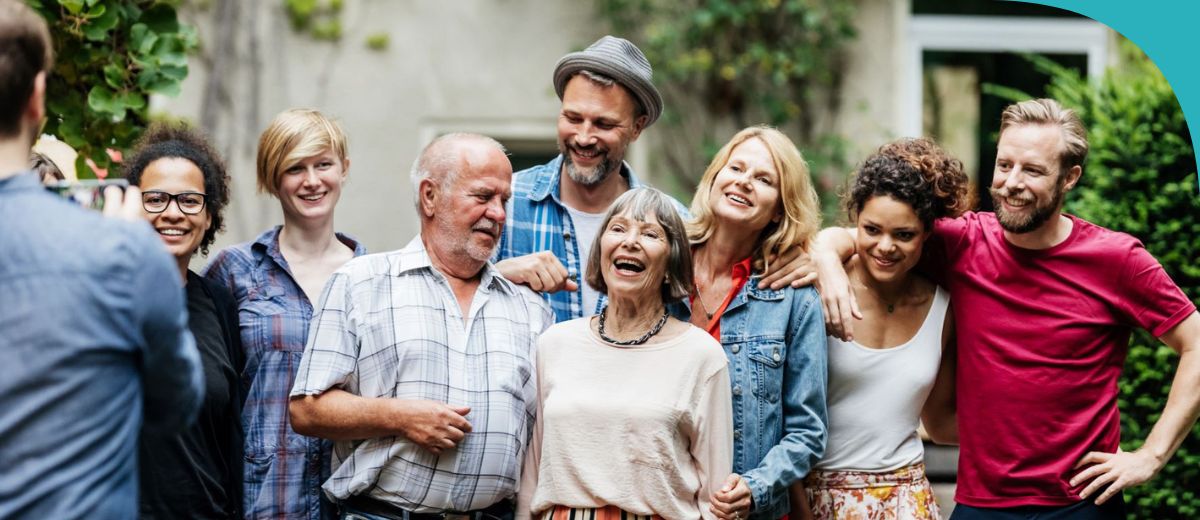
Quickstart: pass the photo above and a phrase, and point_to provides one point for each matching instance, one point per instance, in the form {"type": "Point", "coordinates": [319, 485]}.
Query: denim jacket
{"type": "Point", "coordinates": [775, 342]}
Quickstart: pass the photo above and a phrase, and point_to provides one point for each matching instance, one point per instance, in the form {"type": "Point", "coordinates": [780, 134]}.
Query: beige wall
{"type": "Point", "coordinates": [474, 65]}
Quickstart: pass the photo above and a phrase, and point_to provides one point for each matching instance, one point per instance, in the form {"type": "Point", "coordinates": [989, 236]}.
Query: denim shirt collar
{"type": "Point", "coordinates": [267, 246]}
{"type": "Point", "coordinates": [549, 185]}
{"type": "Point", "coordinates": [682, 309]}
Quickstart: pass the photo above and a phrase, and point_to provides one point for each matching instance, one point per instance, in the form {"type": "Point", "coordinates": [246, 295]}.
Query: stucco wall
{"type": "Point", "coordinates": [472, 65]}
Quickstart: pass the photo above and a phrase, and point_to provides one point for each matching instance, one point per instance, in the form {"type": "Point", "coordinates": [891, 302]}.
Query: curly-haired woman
{"type": "Point", "coordinates": [196, 473]}
{"type": "Point", "coordinates": [898, 368]}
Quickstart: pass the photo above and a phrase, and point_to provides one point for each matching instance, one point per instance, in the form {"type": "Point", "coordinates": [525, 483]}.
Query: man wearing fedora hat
{"type": "Point", "coordinates": [608, 99]}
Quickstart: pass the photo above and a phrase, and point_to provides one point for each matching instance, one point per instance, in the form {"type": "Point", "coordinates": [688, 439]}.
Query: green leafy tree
{"type": "Point", "coordinates": [110, 56]}
{"type": "Point", "coordinates": [742, 63]}
{"type": "Point", "coordinates": [1140, 178]}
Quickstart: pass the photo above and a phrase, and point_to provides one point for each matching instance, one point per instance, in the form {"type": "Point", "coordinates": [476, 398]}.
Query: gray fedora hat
{"type": "Point", "coordinates": [620, 60]}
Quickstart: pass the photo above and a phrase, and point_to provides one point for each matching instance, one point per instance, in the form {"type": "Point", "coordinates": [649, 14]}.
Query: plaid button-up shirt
{"type": "Point", "coordinates": [283, 469]}
{"type": "Point", "coordinates": [390, 327]}
{"type": "Point", "coordinates": [538, 221]}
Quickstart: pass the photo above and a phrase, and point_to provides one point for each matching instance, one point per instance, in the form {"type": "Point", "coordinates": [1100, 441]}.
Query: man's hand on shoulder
{"type": "Point", "coordinates": [794, 267]}
{"type": "Point", "coordinates": [541, 271]}
{"type": "Point", "coordinates": [432, 425]}
{"type": "Point", "coordinates": [1118, 471]}
{"type": "Point", "coordinates": [831, 249]}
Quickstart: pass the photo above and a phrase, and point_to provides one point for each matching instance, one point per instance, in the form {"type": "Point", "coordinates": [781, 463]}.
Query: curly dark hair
{"type": "Point", "coordinates": [915, 171]}
{"type": "Point", "coordinates": [179, 140]}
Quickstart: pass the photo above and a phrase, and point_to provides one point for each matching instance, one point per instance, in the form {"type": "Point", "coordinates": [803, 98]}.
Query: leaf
{"type": "Point", "coordinates": [161, 18]}
{"type": "Point", "coordinates": [189, 37]}
{"type": "Point", "coordinates": [174, 72]}
{"type": "Point", "coordinates": [1003, 92]}
{"type": "Point", "coordinates": [95, 12]}
{"type": "Point", "coordinates": [114, 75]}
{"type": "Point", "coordinates": [72, 6]}
{"type": "Point", "coordinates": [138, 33]}
{"type": "Point", "coordinates": [101, 99]}
{"type": "Point", "coordinates": [169, 52]}
{"type": "Point", "coordinates": [132, 100]}
{"type": "Point", "coordinates": [97, 29]}
{"type": "Point", "coordinates": [377, 41]}
{"type": "Point", "coordinates": [164, 86]}
{"type": "Point", "coordinates": [146, 45]}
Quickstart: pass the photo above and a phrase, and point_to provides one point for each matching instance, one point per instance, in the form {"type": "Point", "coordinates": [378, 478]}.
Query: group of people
{"type": "Point", "coordinates": [565, 342]}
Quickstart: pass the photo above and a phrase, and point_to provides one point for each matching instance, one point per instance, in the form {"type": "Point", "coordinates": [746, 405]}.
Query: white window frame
{"type": "Point", "coordinates": [516, 129]}
{"type": "Point", "coordinates": [513, 129]}
{"type": "Point", "coordinates": [990, 34]}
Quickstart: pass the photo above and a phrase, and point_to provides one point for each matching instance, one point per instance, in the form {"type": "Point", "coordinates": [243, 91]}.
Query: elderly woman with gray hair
{"type": "Point", "coordinates": [634, 413]}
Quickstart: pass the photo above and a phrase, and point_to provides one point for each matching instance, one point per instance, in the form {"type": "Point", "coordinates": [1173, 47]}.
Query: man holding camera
{"type": "Point", "coordinates": [93, 328]}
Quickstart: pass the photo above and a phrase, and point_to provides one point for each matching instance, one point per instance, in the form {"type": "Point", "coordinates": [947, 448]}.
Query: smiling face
{"type": "Point", "coordinates": [595, 127]}
{"type": "Point", "coordinates": [746, 190]}
{"type": "Point", "coordinates": [1028, 183]}
{"type": "Point", "coordinates": [633, 257]}
{"type": "Point", "coordinates": [889, 239]}
{"type": "Point", "coordinates": [180, 232]}
{"type": "Point", "coordinates": [309, 189]}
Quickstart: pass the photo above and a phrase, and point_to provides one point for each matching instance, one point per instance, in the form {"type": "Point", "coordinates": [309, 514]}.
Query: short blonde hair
{"type": "Point", "coordinates": [295, 135]}
{"type": "Point", "coordinates": [1047, 111]}
{"type": "Point", "coordinates": [801, 217]}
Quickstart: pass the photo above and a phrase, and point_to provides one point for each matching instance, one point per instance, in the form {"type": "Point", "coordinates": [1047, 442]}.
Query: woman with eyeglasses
{"type": "Point", "coordinates": [302, 161]}
{"type": "Point", "coordinates": [196, 473]}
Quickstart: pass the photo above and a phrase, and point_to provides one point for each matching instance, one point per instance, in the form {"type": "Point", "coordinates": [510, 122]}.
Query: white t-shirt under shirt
{"type": "Point", "coordinates": [587, 225]}
{"type": "Point", "coordinates": [876, 395]}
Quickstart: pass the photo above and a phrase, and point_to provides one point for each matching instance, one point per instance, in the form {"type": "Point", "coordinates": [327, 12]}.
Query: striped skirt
{"type": "Point", "coordinates": [902, 494]}
{"type": "Point", "coordinates": [603, 513]}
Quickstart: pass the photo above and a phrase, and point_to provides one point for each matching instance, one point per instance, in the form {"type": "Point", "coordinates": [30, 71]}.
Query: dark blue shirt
{"type": "Point", "coordinates": [93, 333]}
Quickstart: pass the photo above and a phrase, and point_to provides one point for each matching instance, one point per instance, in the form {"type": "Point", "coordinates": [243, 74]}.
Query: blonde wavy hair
{"type": "Point", "coordinates": [801, 216]}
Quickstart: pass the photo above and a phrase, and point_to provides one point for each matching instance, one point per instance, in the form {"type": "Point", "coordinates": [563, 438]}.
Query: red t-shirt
{"type": "Point", "coordinates": [1042, 336]}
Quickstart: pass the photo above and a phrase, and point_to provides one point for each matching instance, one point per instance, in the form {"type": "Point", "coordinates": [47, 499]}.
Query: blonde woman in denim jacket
{"type": "Point", "coordinates": [755, 200]}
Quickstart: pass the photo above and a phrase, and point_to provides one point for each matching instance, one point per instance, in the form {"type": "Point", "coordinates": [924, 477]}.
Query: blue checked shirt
{"type": "Point", "coordinates": [391, 327]}
{"type": "Point", "coordinates": [283, 469]}
{"type": "Point", "coordinates": [538, 221]}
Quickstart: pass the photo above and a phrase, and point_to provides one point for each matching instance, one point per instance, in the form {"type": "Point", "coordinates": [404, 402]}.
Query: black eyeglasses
{"type": "Point", "coordinates": [189, 202]}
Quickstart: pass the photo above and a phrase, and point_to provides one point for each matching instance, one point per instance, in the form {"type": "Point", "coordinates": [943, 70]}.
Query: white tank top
{"type": "Point", "coordinates": [876, 395]}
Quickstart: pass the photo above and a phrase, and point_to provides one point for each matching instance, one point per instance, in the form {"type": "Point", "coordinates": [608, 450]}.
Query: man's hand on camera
{"type": "Point", "coordinates": [125, 205]}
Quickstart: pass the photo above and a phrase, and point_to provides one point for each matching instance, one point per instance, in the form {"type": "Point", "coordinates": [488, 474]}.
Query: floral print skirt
{"type": "Point", "coordinates": [902, 494]}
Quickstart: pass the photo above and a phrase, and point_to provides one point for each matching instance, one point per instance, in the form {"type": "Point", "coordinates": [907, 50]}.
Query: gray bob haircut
{"type": "Point", "coordinates": [637, 204]}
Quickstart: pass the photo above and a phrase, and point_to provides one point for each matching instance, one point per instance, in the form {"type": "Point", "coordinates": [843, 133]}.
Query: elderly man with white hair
{"type": "Point", "coordinates": [420, 362]}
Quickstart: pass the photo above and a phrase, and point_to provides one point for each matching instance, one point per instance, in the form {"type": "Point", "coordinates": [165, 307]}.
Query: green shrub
{"type": "Point", "coordinates": [1140, 178]}
{"type": "Point", "coordinates": [110, 57]}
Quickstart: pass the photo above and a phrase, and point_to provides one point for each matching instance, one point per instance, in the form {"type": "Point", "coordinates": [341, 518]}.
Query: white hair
{"type": "Point", "coordinates": [439, 161]}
